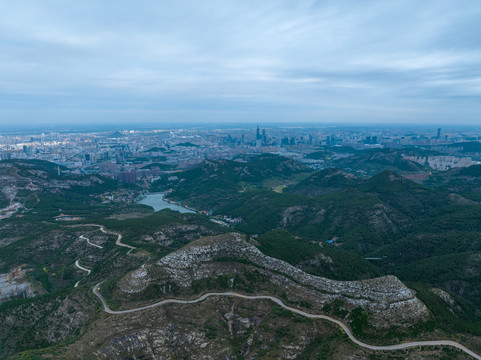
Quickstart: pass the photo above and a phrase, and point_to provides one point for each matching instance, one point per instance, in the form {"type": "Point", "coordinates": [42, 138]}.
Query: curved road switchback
{"type": "Point", "coordinates": [96, 291]}
{"type": "Point", "coordinates": [89, 242]}
{"type": "Point", "coordinates": [83, 269]}
{"type": "Point", "coordinates": [118, 242]}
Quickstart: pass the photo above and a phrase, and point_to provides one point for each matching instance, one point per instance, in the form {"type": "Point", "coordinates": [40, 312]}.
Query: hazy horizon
{"type": "Point", "coordinates": [27, 129]}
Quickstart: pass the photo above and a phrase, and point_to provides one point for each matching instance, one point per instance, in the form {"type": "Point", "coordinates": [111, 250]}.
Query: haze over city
{"type": "Point", "coordinates": [229, 61]}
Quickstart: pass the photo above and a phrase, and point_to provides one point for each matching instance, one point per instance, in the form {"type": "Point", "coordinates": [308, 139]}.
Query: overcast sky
{"type": "Point", "coordinates": [95, 61]}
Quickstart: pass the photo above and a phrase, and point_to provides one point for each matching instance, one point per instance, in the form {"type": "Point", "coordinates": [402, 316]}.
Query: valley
{"type": "Point", "coordinates": [256, 258]}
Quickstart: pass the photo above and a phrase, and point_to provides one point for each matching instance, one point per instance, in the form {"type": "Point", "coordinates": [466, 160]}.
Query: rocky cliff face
{"type": "Point", "coordinates": [229, 328]}
{"type": "Point", "coordinates": [228, 255]}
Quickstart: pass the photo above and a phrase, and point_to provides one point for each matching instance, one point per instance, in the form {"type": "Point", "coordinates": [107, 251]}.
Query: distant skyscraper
{"type": "Point", "coordinates": [258, 134]}
{"type": "Point", "coordinates": [128, 176]}
{"type": "Point", "coordinates": [439, 133]}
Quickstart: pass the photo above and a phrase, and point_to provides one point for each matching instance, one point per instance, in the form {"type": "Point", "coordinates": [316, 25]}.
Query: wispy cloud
{"type": "Point", "coordinates": [301, 60]}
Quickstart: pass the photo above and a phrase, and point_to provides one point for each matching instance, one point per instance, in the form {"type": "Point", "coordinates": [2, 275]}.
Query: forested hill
{"type": "Point", "coordinates": [41, 189]}
{"type": "Point", "coordinates": [385, 216]}
{"type": "Point", "coordinates": [373, 161]}
{"type": "Point", "coordinates": [216, 182]}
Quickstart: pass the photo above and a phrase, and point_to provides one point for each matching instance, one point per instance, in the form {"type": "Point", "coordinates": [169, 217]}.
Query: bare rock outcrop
{"type": "Point", "coordinates": [387, 298]}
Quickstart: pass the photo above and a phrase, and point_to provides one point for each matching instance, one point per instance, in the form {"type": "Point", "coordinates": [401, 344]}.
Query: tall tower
{"type": "Point", "coordinates": [439, 133]}
{"type": "Point", "coordinates": [258, 134]}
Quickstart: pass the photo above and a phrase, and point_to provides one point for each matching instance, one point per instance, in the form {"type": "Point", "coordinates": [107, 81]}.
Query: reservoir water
{"type": "Point", "coordinates": [158, 203]}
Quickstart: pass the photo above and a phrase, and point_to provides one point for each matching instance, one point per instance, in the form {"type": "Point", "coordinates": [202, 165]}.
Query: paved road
{"type": "Point", "coordinates": [118, 242]}
{"type": "Point", "coordinates": [81, 268]}
{"type": "Point", "coordinates": [90, 243]}
{"type": "Point", "coordinates": [294, 310]}
{"type": "Point", "coordinates": [77, 263]}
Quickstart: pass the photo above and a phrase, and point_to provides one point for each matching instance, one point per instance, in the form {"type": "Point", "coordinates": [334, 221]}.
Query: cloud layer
{"type": "Point", "coordinates": [232, 61]}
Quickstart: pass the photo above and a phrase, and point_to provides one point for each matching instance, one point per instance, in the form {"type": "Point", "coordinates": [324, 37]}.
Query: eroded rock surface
{"type": "Point", "coordinates": [387, 298]}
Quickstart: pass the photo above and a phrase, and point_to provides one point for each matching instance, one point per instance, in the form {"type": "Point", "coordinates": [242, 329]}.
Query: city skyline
{"type": "Point", "coordinates": [228, 62]}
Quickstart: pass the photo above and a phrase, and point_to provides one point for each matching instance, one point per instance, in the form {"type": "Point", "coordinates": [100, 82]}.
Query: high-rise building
{"type": "Point", "coordinates": [128, 176]}
{"type": "Point", "coordinates": [439, 133]}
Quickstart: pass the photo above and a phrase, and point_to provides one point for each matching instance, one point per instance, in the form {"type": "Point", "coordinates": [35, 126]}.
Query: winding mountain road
{"type": "Point", "coordinates": [90, 243]}
{"type": "Point", "coordinates": [118, 242]}
{"type": "Point", "coordinates": [83, 269]}
{"type": "Point", "coordinates": [406, 345]}
{"type": "Point", "coordinates": [77, 262]}
{"type": "Point", "coordinates": [96, 291]}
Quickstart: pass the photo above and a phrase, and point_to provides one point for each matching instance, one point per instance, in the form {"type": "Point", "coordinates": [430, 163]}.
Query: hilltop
{"type": "Point", "coordinates": [386, 217]}
{"type": "Point", "coordinates": [216, 182]}
{"type": "Point", "coordinates": [325, 181]}
{"type": "Point", "coordinates": [371, 162]}
{"type": "Point", "coordinates": [228, 262]}
{"type": "Point", "coordinates": [42, 188]}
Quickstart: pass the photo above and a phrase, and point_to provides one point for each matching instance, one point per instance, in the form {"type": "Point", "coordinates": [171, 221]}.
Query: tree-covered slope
{"type": "Point", "coordinates": [325, 181]}
{"type": "Point", "coordinates": [216, 182]}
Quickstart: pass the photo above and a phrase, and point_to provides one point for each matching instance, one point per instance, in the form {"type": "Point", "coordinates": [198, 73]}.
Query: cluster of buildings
{"type": "Point", "coordinates": [132, 155]}
{"type": "Point", "coordinates": [442, 162]}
